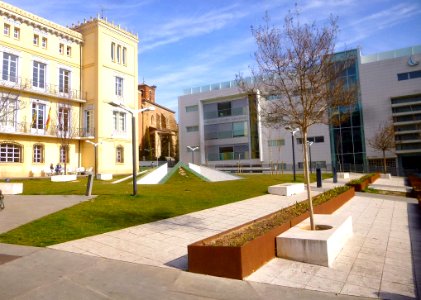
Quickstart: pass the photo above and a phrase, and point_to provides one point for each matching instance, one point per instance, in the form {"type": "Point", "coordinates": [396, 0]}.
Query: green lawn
{"type": "Point", "coordinates": [114, 208]}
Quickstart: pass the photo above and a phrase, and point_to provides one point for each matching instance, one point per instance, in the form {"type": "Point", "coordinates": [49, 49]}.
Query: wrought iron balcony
{"type": "Point", "coordinates": [52, 90]}
{"type": "Point", "coordinates": [28, 128]}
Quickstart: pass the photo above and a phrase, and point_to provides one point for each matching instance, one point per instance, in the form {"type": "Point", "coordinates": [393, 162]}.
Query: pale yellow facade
{"type": "Point", "coordinates": [55, 86]}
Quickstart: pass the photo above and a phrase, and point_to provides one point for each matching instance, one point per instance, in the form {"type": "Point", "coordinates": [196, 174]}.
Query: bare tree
{"type": "Point", "coordinates": [383, 140]}
{"type": "Point", "coordinates": [9, 105]}
{"type": "Point", "coordinates": [297, 66]}
{"type": "Point", "coordinates": [65, 130]}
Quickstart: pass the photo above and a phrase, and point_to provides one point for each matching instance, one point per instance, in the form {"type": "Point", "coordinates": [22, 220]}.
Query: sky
{"type": "Point", "coordinates": [191, 43]}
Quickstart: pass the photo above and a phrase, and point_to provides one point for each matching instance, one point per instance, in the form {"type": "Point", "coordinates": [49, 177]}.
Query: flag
{"type": "Point", "coordinates": [47, 124]}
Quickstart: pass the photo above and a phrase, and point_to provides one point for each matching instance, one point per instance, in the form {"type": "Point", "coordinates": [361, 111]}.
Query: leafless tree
{"type": "Point", "coordinates": [66, 130]}
{"type": "Point", "coordinates": [9, 105]}
{"type": "Point", "coordinates": [297, 65]}
{"type": "Point", "coordinates": [383, 140]}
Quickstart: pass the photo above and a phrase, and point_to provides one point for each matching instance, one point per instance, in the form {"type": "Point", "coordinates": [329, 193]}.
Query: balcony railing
{"type": "Point", "coordinates": [32, 129]}
{"type": "Point", "coordinates": [25, 84]}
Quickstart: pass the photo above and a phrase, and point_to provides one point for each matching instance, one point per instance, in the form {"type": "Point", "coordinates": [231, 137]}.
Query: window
{"type": "Point", "coordinates": [239, 129]}
{"type": "Point", "coordinates": [276, 143]}
{"type": "Point", "coordinates": [224, 109]}
{"type": "Point", "coordinates": [89, 121]}
{"type": "Point", "coordinates": [64, 154]}
{"type": "Point", "coordinates": [409, 75]}
{"type": "Point", "coordinates": [69, 51]}
{"type": "Point", "coordinates": [16, 33]}
{"type": "Point", "coordinates": [314, 139]}
{"type": "Point", "coordinates": [124, 55]}
{"type": "Point", "coordinates": [10, 67]}
{"type": "Point", "coordinates": [119, 121]}
{"type": "Point", "coordinates": [119, 154]}
{"type": "Point", "coordinates": [192, 128]}
{"type": "Point", "coordinates": [38, 115]}
{"type": "Point", "coordinates": [6, 29]}
{"type": "Point", "coordinates": [192, 108]}
{"type": "Point", "coordinates": [64, 118]}
{"type": "Point", "coordinates": [9, 111]}
{"type": "Point", "coordinates": [44, 42]}
{"type": "Point", "coordinates": [113, 51]}
{"type": "Point", "coordinates": [119, 86]}
{"type": "Point", "coordinates": [38, 153]}
{"type": "Point", "coordinates": [10, 152]}
{"type": "Point", "coordinates": [61, 48]}
{"type": "Point", "coordinates": [64, 81]}
{"type": "Point", "coordinates": [38, 75]}
{"type": "Point", "coordinates": [36, 40]}
{"type": "Point", "coordinates": [118, 53]}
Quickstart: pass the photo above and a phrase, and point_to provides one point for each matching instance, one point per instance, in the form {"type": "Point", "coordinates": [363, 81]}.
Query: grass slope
{"type": "Point", "coordinates": [114, 208]}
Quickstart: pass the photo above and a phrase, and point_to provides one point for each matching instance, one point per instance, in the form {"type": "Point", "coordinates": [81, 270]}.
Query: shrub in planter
{"type": "Point", "coordinates": [363, 182]}
{"type": "Point", "coordinates": [238, 252]}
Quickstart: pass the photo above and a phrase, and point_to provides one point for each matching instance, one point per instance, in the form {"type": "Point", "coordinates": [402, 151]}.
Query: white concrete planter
{"type": "Point", "coordinates": [386, 176]}
{"type": "Point", "coordinates": [104, 176]}
{"type": "Point", "coordinates": [319, 247]}
{"type": "Point", "coordinates": [343, 175]}
{"type": "Point", "coordinates": [63, 178]}
{"type": "Point", "coordinates": [11, 188]}
{"type": "Point", "coordinates": [286, 189]}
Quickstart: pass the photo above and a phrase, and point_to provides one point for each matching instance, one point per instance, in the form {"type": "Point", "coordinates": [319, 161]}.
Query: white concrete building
{"type": "Point", "coordinates": [224, 124]}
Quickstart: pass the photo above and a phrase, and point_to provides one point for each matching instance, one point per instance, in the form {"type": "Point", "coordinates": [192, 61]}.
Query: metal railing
{"type": "Point", "coordinates": [25, 84]}
{"type": "Point", "coordinates": [33, 129]}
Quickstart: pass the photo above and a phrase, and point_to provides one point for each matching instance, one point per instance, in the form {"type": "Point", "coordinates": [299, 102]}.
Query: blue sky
{"type": "Point", "coordinates": [190, 43]}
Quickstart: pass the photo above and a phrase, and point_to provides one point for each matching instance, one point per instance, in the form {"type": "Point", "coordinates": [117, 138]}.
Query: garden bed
{"type": "Point", "coordinates": [362, 183]}
{"type": "Point", "coordinates": [240, 251]}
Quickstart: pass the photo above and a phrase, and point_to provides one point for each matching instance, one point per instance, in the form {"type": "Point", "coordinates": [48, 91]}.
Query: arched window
{"type": "Point", "coordinates": [38, 153]}
{"type": "Point", "coordinates": [11, 152]}
{"type": "Point", "coordinates": [113, 51]}
{"type": "Point", "coordinates": [119, 154]}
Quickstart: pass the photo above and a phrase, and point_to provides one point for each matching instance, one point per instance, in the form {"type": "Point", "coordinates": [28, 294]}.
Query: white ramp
{"type": "Point", "coordinates": [155, 176]}
{"type": "Point", "coordinates": [212, 174]}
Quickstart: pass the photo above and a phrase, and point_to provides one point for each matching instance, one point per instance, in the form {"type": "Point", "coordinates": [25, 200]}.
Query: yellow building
{"type": "Point", "coordinates": [55, 85]}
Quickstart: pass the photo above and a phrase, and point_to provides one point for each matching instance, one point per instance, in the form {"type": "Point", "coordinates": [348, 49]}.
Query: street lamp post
{"type": "Point", "coordinates": [95, 155]}
{"type": "Point", "coordinates": [133, 112]}
{"type": "Point", "coordinates": [293, 132]}
{"type": "Point", "coordinates": [309, 152]}
{"type": "Point", "coordinates": [192, 149]}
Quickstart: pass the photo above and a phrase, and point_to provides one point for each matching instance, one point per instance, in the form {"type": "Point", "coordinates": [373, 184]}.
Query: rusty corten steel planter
{"type": "Point", "coordinates": [374, 178]}
{"type": "Point", "coordinates": [333, 204]}
{"type": "Point", "coordinates": [240, 261]}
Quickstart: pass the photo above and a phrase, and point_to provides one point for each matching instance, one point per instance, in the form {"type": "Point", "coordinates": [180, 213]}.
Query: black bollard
{"type": "Point", "coordinates": [319, 177]}
{"type": "Point", "coordinates": [335, 175]}
{"type": "Point", "coordinates": [89, 186]}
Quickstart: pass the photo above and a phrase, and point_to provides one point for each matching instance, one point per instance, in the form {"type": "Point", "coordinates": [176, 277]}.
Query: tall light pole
{"type": "Point", "coordinates": [96, 156]}
{"type": "Point", "coordinates": [293, 132]}
{"type": "Point", "coordinates": [309, 152]}
{"type": "Point", "coordinates": [133, 112]}
{"type": "Point", "coordinates": [192, 149]}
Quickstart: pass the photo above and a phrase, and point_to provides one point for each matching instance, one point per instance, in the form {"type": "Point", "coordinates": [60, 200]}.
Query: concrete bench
{"type": "Point", "coordinates": [343, 175]}
{"type": "Point", "coordinates": [63, 178]}
{"type": "Point", "coordinates": [104, 176]}
{"type": "Point", "coordinates": [11, 188]}
{"type": "Point", "coordinates": [286, 189]}
{"type": "Point", "coordinates": [319, 247]}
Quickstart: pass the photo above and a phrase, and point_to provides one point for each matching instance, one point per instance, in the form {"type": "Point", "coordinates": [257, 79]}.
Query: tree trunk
{"type": "Point", "coordinates": [384, 162]}
{"type": "Point", "coordinates": [307, 179]}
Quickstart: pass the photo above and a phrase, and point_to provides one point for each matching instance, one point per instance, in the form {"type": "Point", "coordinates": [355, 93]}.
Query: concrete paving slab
{"type": "Point", "coordinates": [20, 209]}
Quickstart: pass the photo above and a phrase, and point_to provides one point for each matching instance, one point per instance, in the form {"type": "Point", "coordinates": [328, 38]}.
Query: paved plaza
{"type": "Point", "coordinates": [377, 261]}
{"type": "Point", "coordinates": [382, 259]}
